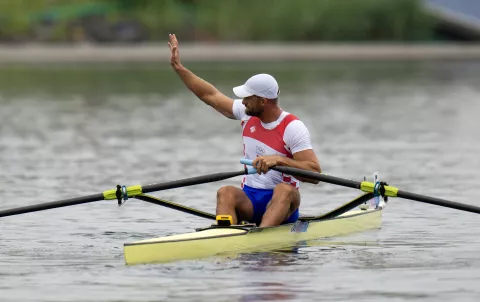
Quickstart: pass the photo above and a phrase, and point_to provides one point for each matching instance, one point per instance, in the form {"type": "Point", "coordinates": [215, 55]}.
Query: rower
{"type": "Point", "coordinates": [271, 137]}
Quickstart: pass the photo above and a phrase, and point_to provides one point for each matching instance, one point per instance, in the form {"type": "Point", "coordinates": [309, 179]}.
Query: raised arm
{"type": "Point", "coordinates": [201, 88]}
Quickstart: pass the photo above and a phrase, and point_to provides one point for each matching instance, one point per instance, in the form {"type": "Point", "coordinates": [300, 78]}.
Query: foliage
{"type": "Point", "coordinates": [247, 20]}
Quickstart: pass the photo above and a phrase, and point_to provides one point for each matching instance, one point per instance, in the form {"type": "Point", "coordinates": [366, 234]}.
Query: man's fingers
{"type": "Point", "coordinates": [258, 165]}
{"type": "Point", "coordinates": [264, 167]}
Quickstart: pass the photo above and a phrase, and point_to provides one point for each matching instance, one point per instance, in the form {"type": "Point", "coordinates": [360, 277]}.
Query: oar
{"type": "Point", "coordinates": [370, 187]}
{"type": "Point", "coordinates": [124, 193]}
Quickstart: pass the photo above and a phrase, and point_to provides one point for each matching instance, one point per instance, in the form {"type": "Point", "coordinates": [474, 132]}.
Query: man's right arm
{"type": "Point", "coordinates": [201, 88]}
{"type": "Point", "coordinates": [206, 91]}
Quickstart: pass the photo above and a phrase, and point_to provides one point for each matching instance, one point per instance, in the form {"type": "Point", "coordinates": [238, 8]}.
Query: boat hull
{"type": "Point", "coordinates": [219, 240]}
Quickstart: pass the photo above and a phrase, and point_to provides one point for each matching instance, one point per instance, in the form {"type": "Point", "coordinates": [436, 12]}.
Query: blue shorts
{"type": "Point", "coordinates": [260, 199]}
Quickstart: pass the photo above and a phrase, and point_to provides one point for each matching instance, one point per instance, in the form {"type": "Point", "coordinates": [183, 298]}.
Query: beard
{"type": "Point", "coordinates": [253, 112]}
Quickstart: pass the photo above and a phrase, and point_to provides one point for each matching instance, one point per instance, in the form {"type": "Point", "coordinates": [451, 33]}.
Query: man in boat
{"type": "Point", "coordinates": [271, 137]}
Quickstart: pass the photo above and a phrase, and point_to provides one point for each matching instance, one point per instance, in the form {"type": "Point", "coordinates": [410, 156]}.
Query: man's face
{"type": "Point", "coordinates": [254, 105]}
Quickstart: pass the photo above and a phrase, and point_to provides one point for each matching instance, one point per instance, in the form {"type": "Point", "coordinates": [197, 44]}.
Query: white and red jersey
{"type": "Point", "coordinates": [285, 136]}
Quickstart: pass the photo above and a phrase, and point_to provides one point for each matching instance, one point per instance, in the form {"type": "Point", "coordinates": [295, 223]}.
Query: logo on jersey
{"type": "Point", "coordinates": [252, 129]}
{"type": "Point", "coordinates": [260, 151]}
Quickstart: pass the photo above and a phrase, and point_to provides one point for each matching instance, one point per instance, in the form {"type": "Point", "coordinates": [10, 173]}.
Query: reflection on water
{"type": "Point", "coordinates": [73, 131]}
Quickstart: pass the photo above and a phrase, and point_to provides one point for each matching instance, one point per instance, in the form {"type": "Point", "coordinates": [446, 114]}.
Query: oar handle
{"type": "Point", "coordinates": [365, 186]}
{"type": "Point", "coordinates": [245, 161]}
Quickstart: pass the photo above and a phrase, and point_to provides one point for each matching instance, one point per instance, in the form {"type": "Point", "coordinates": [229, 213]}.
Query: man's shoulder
{"type": "Point", "coordinates": [296, 128]}
{"type": "Point", "coordinates": [291, 119]}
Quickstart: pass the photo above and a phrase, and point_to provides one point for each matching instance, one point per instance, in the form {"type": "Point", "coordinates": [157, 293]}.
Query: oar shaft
{"type": "Point", "coordinates": [371, 188]}
{"type": "Point", "coordinates": [318, 176]}
{"type": "Point", "coordinates": [194, 181]}
{"type": "Point", "coordinates": [439, 202]}
{"type": "Point", "coordinates": [51, 205]}
{"type": "Point", "coordinates": [312, 175]}
{"type": "Point", "coordinates": [130, 191]}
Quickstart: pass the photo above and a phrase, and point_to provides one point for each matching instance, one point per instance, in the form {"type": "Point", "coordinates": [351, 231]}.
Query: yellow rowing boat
{"type": "Point", "coordinates": [218, 239]}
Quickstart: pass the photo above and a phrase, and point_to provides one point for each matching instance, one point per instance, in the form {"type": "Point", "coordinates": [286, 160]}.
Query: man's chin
{"type": "Point", "coordinates": [249, 113]}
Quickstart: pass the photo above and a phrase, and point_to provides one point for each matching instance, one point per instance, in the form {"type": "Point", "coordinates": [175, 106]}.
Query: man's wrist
{"type": "Point", "coordinates": [281, 161]}
{"type": "Point", "coordinates": [177, 66]}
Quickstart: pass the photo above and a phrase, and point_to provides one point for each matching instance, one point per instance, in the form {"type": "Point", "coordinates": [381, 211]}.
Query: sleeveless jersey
{"type": "Point", "coordinates": [283, 137]}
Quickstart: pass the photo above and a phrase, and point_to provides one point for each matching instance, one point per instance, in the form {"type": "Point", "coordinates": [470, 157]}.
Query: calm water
{"type": "Point", "coordinates": [71, 131]}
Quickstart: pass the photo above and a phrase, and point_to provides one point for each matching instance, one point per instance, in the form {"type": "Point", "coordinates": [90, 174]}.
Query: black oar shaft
{"type": "Point", "coordinates": [393, 191]}
{"type": "Point", "coordinates": [52, 205]}
{"type": "Point", "coordinates": [318, 176]}
{"type": "Point", "coordinates": [191, 181]}
{"type": "Point", "coordinates": [439, 202]}
{"type": "Point", "coordinates": [131, 192]}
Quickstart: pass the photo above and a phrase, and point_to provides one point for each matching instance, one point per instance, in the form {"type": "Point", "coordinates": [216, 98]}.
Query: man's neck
{"type": "Point", "coordinates": [272, 115]}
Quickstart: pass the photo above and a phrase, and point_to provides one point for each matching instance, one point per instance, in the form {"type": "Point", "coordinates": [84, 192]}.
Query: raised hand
{"type": "Point", "coordinates": [175, 56]}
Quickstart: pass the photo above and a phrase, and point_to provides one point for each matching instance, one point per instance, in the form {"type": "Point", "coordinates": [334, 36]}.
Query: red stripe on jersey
{"type": "Point", "coordinates": [270, 137]}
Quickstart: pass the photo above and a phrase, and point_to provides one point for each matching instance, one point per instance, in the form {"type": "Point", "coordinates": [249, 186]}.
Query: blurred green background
{"type": "Point", "coordinates": [214, 20]}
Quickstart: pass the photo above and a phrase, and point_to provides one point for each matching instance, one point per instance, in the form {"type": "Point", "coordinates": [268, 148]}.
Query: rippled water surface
{"type": "Point", "coordinates": [68, 131]}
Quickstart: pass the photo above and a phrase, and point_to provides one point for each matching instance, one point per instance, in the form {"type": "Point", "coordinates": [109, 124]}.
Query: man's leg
{"type": "Point", "coordinates": [233, 201]}
{"type": "Point", "coordinates": [285, 201]}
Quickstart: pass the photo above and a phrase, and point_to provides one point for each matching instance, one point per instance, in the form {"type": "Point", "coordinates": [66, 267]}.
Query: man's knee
{"type": "Point", "coordinates": [286, 193]}
{"type": "Point", "coordinates": [226, 194]}
{"type": "Point", "coordinates": [285, 188]}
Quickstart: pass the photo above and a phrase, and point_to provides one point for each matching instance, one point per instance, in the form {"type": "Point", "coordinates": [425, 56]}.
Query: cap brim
{"type": "Point", "coordinates": [241, 92]}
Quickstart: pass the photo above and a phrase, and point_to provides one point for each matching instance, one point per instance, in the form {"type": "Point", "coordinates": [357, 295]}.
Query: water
{"type": "Point", "coordinates": [68, 131]}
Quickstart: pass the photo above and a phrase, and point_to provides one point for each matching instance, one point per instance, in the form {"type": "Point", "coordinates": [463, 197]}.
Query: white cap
{"type": "Point", "coordinates": [262, 85]}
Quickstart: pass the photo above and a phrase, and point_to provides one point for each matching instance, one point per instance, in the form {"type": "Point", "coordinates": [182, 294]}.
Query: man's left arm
{"type": "Point", "coordinates": [297, 139]}
{"type": "Point", "coordinates": [306, 160]}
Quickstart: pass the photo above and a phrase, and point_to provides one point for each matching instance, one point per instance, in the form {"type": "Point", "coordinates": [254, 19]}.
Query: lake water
{"type": "Point", "coordinates": [68, 131]}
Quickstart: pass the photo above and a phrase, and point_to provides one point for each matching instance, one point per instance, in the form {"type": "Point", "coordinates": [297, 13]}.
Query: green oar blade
{"type": "Point", "coordinates": [52, 205]}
